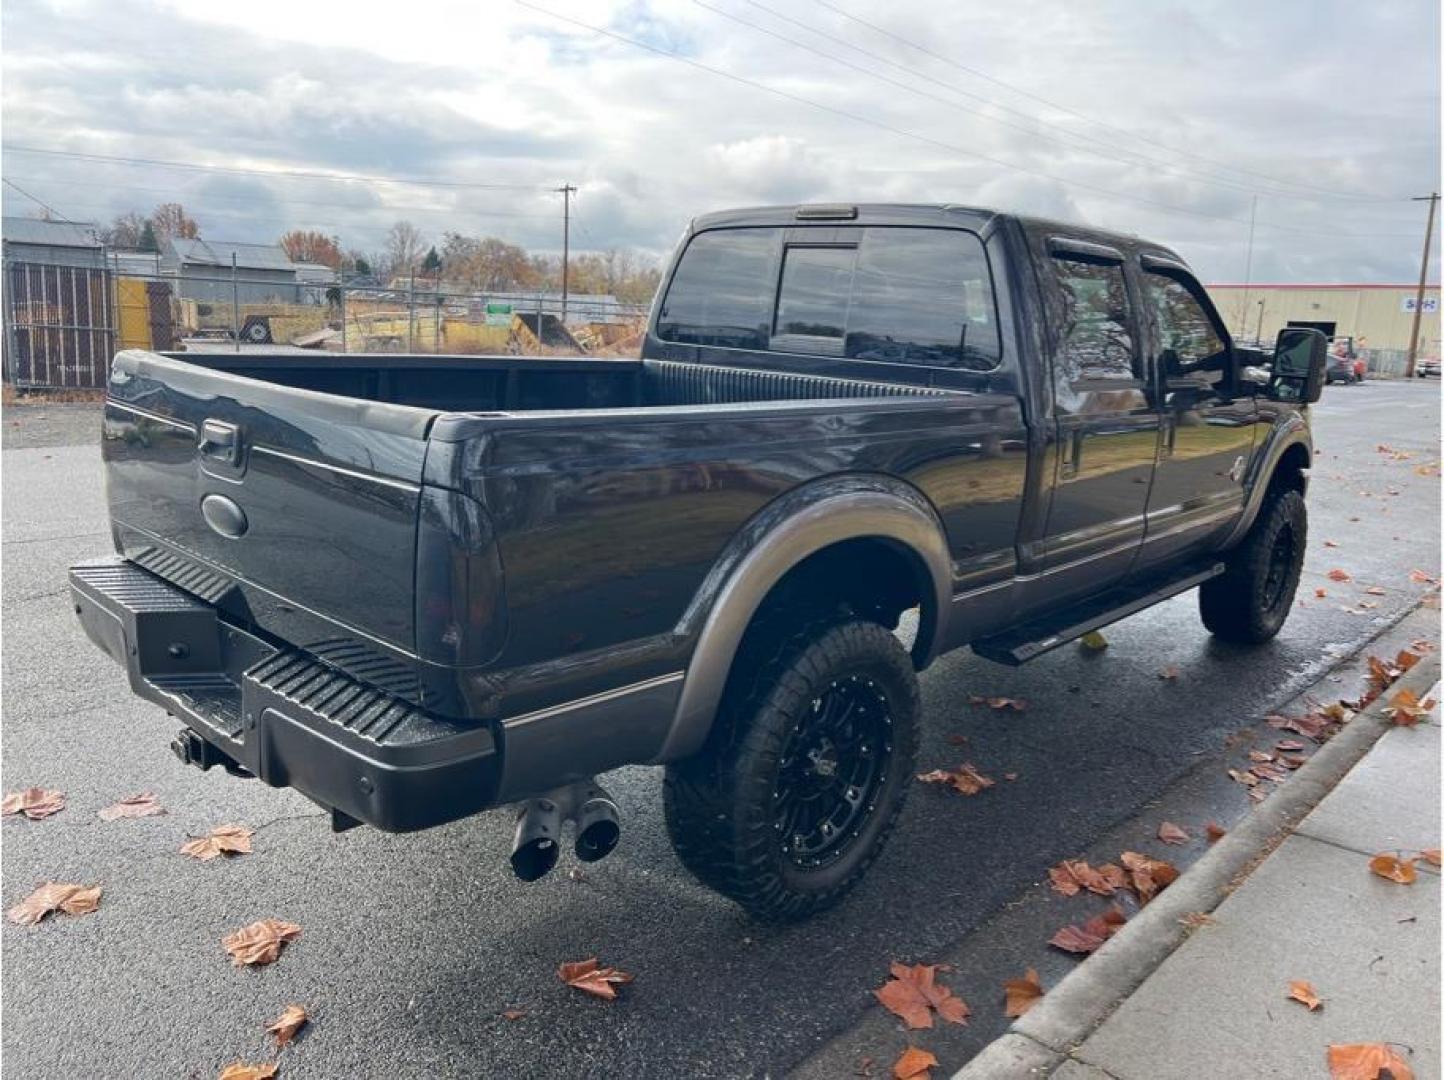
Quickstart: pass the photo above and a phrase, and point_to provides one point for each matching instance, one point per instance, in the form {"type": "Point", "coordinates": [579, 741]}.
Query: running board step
{"type": "Point", "coordinates": [1022, 643]}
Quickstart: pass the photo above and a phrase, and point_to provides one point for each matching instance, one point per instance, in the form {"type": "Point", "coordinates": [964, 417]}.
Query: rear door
{"type": "Point", "coordinates": [1106, 419]}
{"type": "Point", "coordinates": [293, 511]}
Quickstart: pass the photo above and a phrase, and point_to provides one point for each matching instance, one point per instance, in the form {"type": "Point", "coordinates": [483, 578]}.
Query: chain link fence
{"type": "Point", "coordinates": [62, 323]}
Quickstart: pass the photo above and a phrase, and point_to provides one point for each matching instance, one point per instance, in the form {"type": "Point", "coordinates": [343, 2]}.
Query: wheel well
{"type": "Point", "coordinates": [1291, 472]}
{"type": "Point", "coordinates": [872, 578]}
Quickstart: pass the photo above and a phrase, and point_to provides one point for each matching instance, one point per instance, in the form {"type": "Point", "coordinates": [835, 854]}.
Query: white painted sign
{"type": "Point", "coordinates": [1407, 304]}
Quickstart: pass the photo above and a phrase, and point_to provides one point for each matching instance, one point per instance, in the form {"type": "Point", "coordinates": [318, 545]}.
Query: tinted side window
{"type": "Point", "coordinates": [1188, 338]}
{"type": "Point", "coordinates": [1096, 342]}
{"type": "Point", "coordinates": [813, 299]}
{"type": "Point", "coordinates": [923, 296]}
{"type": "Point", "coordinates": [722, 291]}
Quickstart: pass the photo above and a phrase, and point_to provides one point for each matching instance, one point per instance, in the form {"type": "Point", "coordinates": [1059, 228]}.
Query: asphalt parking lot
{"type": "Point", "coordinates": [414, 947]}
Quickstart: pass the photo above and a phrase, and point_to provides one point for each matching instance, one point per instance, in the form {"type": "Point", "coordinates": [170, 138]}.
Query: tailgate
{"type": "Point", "coordinates": [293, 511]}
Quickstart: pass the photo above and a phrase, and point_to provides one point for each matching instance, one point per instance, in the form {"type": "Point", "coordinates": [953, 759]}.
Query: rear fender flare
{"type": "Point", "coordinates": [778, 538]}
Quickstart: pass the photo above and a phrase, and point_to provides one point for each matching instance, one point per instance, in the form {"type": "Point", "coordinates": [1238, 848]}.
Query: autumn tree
{"type": "Point", "coordinates": [303, 245]}
{"type": "Point", "coordinates": [171, 221]}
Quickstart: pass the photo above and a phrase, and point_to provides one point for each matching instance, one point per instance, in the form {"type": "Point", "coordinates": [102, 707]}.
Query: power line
{"type": "Point", "coordinates": [880, 124]}
{"type": "Point", "coordinates": [300, 173]}
{"type": "Point", "coordinates": [44, 205]}
{"type": "Point", "coordinates": [1088, 119]}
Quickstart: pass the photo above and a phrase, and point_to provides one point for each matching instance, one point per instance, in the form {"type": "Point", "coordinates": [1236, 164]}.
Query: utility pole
{"type": "Point", "coordinates": [1433, 201]}
{"type": "Point", "coordinates": [567, 191]}
{"type": "Point", "coordinates": [1247, 268]}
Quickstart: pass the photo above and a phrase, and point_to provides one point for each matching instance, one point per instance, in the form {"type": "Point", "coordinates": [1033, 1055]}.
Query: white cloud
{"type": "Point", "coordinates": [1191, 107]}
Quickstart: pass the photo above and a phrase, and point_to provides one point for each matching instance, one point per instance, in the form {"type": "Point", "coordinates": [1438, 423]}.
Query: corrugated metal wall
{"type": "Point", "coordinates": [59, 325]}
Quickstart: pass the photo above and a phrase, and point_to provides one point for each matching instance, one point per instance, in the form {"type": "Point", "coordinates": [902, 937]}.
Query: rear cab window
{"type": "Point", "coordinates": [900, 294]}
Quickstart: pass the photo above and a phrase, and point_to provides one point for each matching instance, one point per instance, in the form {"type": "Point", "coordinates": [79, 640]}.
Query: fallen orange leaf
{"type": "Point", "coordinates": [512, 1014]}
{"type": "Point", "coordinates": [1215, 831]}
{"type": "Point", "coordinates": [241, 1071]}
{"type": "Point", "coordinates": [1405, 709]}
{"type": "Point", "coordinates": [1321, 593]}
{"type": "Point", "coordinates": [1367, 1061]}
{"type": "Point", "coordinates": [1394, 869]}
{"type": "Point", "coordinates": [1430, 856]}
{"type": "Point", "coordinates": [260, 943]}
{"type": "Point", "coordinates": [1071, 875]}
{"type": "Point", "coordinates": [35, 803]}
{"type": "Point", "coordinates": [55, 896]}
{"type": "Point", "coordinates": [142, 805]}
{"type": "Point", "coordinates": [222, 840]}
{"type": "Point", "coordinates": [1148, 876]}
{"type": "Point", "coordinates": [1091, 935]}
{"type": "Point", "coordinates": [965, 778]}
{"type": "Point", "coordinates": [1020, 995]}
{"type": "Point", "coordinates": [1339, 575]}
{"type": "Point", "coordinates": [1305, 994]}
{"type": "Point", "coordinates": [1170, 833]}
{"type": "Point", "coordinates": [913, 992]}
{"type": "Point", "coordinates": [290, 1021]}
{"type": "Point", "coordinates": [589, 976]}
{"type": "Point", "coordinates": [1376, 590]}
{"type": "Point", "coordinates": [1169, 673]}
{"type": "Point", "coordinates": [914, 1064]}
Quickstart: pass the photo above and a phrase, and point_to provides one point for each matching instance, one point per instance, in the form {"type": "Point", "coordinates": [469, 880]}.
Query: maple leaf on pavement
{"type": "Point", "coordinates": [913, 992]}
{"type": "Point", "coordinates": [222, 840]}
{"type": "Point", "coordinates": [35, 803]}
{"type": "Point", "coordinates": [1394, 869]}
{"type": "Point", "coordinates": [1367, 1061]}
{"type": "Point", "coordinates": [241, 1071]}
{"type": "Point", "coordinates": [133, 806]}
{"type": "Point", "coordinates": [261, 942]}
{"type": "Point", "coordinates": [1170, 833]}
{"type": "Point", "coordinates": [965, 778]}
{"type": "Point", "coordinates": [286, 1026]}
{"type": "Point", "coordinates": [1405, 709]}
{"type": "Point", "coordinates": [1020, 995]}
{"type": "Point", "coordinates": [1071, 875]}
{"type": "Point", "coordinates": [1091, 935]}
{"type": "Point", "coordinates": [590, 977]}
{"type": "Point", "coordinates": [1305, 994]}
{"type": "Point", "coordinates": [1148, 876]}
{"type": "Point", "coordinates": [914, 1064]}
{"type": "Point", "coordinates": [55, 896]}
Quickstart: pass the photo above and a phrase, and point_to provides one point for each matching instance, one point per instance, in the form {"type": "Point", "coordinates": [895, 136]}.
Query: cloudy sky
{"type": "Point", "coordinates": [1166, 119]}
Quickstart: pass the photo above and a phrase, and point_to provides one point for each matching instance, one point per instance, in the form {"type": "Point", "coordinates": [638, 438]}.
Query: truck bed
{"type": "Point", "coordinates": [523, 384]}
{"type": "Point", "coordinates": [425, 522]}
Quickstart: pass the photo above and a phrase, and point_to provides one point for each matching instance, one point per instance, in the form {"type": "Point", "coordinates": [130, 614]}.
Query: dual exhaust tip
{"type": "Point", "coordinates": [537, 845]}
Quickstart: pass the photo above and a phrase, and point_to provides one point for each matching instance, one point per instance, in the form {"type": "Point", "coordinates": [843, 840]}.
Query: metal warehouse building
{"type": "Point", "coordinates": [205, 268]}
{"type": "Point", "coordinates": [1377, 317]}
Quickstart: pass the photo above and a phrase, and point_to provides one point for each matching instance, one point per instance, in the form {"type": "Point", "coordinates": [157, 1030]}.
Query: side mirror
{"type": "Point", "coordinates": [1300, 359]}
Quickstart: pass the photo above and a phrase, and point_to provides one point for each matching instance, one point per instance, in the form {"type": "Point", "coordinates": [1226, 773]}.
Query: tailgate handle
{"type": "Point", "coordinates": [220, 440]}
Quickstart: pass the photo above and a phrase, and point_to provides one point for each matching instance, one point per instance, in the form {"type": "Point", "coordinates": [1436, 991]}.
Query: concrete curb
{"type": "Point", "coordinates": [1068, 1013]}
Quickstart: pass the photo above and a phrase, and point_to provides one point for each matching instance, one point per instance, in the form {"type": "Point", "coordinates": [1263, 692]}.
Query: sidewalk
{"type": "Point", "coordinates": [1216, 1004]}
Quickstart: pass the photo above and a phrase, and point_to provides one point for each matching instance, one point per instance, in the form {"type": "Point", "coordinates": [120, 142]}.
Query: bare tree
{"type": "Point", "coordinates": [404, 247]}
{"type": "Point", "coordinates": [126, 231]}
{"type": "Point", "coordinates": [171, 220]}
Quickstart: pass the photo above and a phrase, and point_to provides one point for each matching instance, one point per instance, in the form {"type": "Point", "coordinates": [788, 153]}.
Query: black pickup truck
{"type": "Point", "coordinates": [417, 587]}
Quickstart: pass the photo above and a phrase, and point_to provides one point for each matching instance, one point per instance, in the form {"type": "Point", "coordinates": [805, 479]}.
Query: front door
{"type": "Point", "coordinates": [1106, 422]}
{"type": "Point", "coordinates": [1208, 425]}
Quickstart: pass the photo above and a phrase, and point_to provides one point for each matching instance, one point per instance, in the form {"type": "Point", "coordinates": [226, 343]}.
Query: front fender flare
{"type": "Point", "coordinates": [1292, 432]}
{"type": "Point", "coordinates": [788, 530]}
